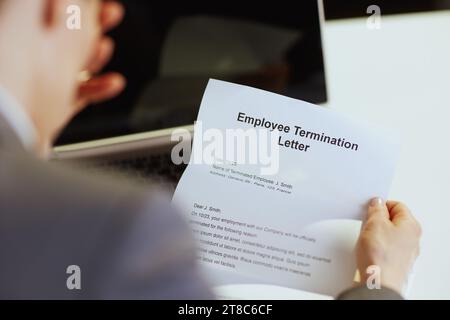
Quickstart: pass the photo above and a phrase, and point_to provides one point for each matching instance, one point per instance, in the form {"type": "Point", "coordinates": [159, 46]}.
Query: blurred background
{"type": "Point", "coordinates": [339, 9]}
{"type": "Point", "coordinates": [168, 54]}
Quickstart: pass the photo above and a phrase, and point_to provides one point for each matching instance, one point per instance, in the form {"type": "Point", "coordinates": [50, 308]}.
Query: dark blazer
{"type": "Point", "coordinates": [363, 293]}
{"type": "Point", "coordinates": [128, 241]}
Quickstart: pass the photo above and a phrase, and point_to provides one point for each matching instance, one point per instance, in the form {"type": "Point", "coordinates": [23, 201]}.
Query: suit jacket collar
{"type": "Point", "coordinates": [9, 139]}
{"type": "Point", "coordinates": [16, 128]}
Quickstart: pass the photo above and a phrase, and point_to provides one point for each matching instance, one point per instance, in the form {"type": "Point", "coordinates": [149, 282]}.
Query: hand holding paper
{"type": "Point", "coordinates": [284, 228]}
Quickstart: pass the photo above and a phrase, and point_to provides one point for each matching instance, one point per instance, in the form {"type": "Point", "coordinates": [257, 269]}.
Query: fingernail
{"type": "Point", "coordinates": [376, 202]}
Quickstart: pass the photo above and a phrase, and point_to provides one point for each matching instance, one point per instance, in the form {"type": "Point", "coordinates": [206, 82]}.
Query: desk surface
{"type": "Point", "coordinates": [399, 77]}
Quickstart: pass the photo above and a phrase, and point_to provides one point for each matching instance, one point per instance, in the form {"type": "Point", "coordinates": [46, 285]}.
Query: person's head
{"type": "Point", "coordinates": [42, 55]}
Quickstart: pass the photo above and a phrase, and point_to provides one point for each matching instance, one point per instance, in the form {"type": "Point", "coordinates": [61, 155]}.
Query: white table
{"type": "Point", "coordinates": [399, 76]}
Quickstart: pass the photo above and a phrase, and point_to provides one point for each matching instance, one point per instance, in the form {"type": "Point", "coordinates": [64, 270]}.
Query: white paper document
{"type": "Point", "coordinates": [291, 218]}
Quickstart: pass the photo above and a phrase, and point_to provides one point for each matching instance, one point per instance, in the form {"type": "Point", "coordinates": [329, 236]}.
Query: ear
{"type": "Point", "coordinates": [51, 9]}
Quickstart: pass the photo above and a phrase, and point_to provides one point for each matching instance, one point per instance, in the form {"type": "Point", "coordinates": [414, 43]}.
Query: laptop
{"type": "Point", "coordinates": [169, 54]}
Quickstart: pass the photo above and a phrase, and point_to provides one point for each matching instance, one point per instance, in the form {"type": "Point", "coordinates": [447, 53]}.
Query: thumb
{"type": "Point", "coordinates": [377, 209]}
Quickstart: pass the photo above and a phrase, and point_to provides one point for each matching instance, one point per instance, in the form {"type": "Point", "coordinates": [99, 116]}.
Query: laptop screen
{"type": "Point", "coordinates": [168, 55]}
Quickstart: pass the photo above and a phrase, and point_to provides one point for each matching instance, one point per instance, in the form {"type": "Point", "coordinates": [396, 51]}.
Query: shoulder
{"type": "Point", "coordinates": [64, 189]}
{"type": "Point", "coordinates": [33, 191]}
{"type": "Point", "coordinates": [119, 233]}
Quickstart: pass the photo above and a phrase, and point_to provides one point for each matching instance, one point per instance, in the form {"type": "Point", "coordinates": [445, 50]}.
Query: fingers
{"type": "Point", "coordinates": [393, 211]}
{"type": "Point", "coordinates": [108, 86]}
{"type": "Point", "coordinates": [398, 211]}
{"type": "Point", "coordinates": [111, 15]}
{"type": "Point", "coordinates": [99, 89]}
{"type": "Point", "coordinates": [400, 214]}
{"type": "Point", "coordinates": [377, 209]}
{"type": "Point", "coordinates": [102, 55]}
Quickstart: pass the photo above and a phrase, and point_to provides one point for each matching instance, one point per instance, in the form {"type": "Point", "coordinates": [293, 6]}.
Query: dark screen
{"type": "Point", "coordinates": [338, 9]}
{"type": "Point", "coordinates": [168, 54]}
